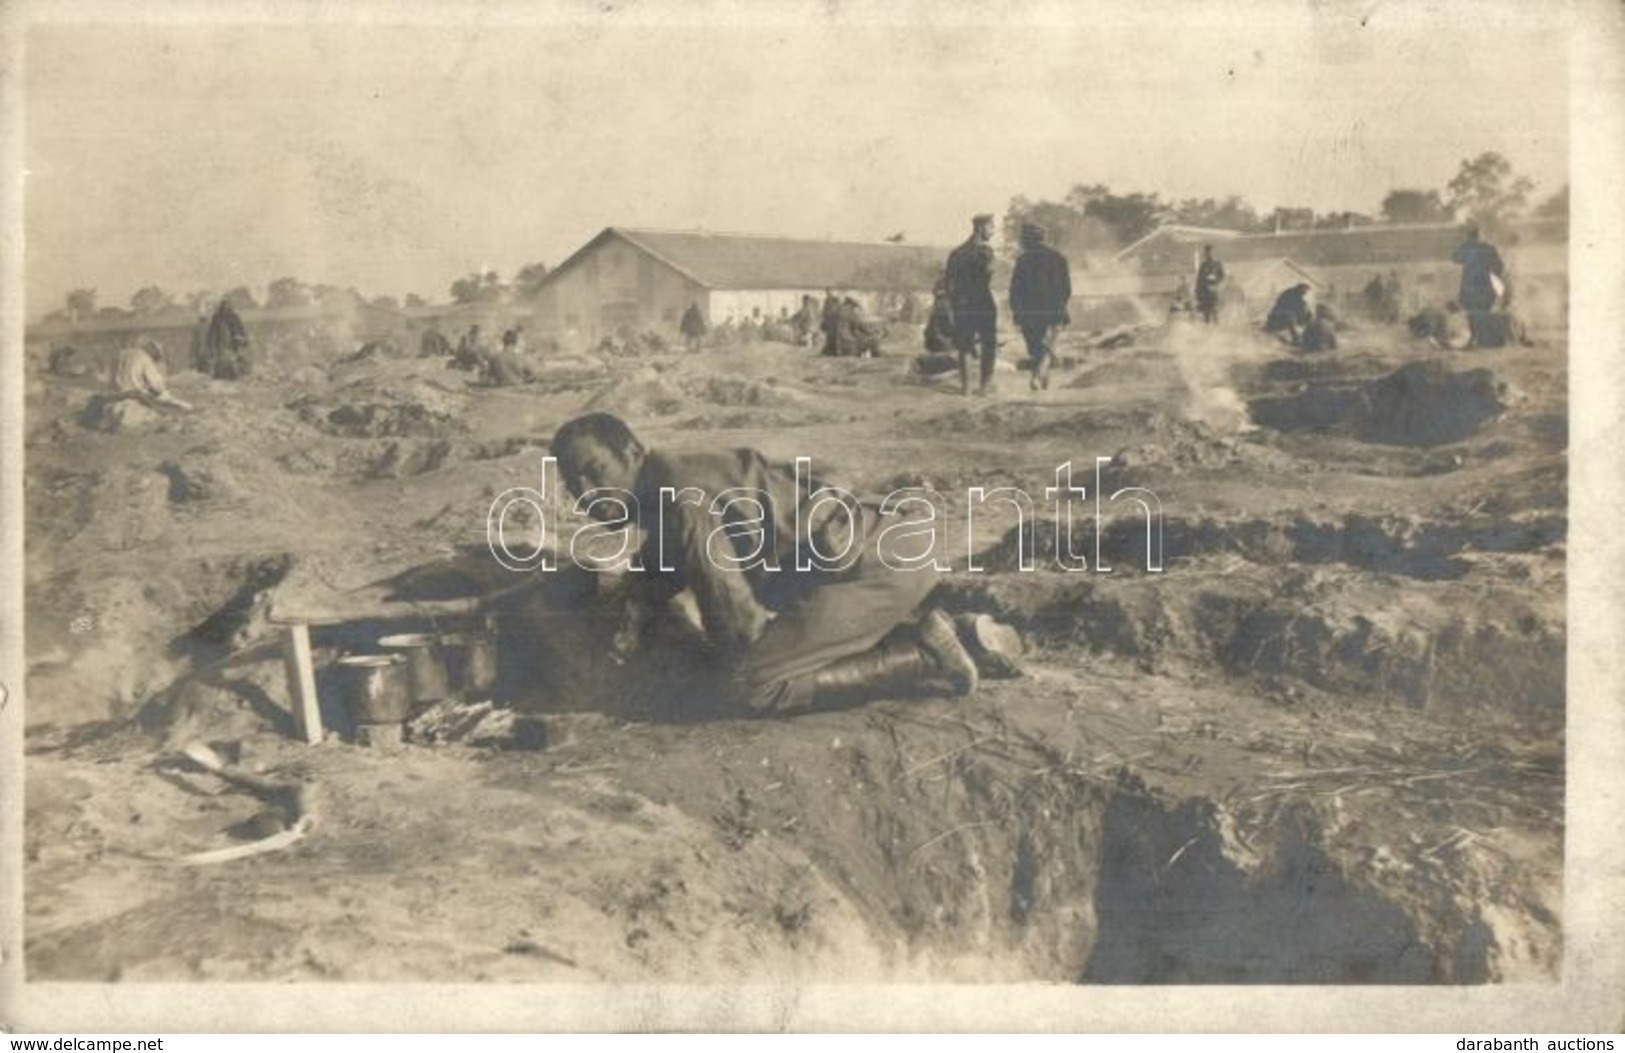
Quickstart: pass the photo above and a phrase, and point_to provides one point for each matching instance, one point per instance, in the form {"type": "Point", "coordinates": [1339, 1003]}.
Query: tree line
{"type": "Point", "coordinates": [1093, 221]}
{"type": "Point", "coordinates": [150, 301]}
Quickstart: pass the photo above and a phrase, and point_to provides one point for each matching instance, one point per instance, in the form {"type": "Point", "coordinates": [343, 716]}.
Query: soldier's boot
{"type": "Point", "coordinates": [888, 667]}
{"type": "Point", "coordinates": [964, 373]}
{"type": "Point", "coordinates": [996, 648]}
{"type": "Point", "coordinates": [941, 642]}
{"type": "Point", "coordinates": [898, 665]}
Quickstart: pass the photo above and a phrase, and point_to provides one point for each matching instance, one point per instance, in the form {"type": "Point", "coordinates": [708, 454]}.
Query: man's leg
{"type": "Point", "coordinates": [964, 341]}
{"type": "Point", "coordinates": [987, 334]}
{"type": "Point", "coordinates": [1034, 337]}
{"type": "Point", "coordinates": [1048, 342]}
{"type": "Point", "coordinates": [843, 634]}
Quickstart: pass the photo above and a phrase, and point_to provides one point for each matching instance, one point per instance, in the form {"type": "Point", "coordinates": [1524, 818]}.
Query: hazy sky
{"type": "Point", "coordinates": [396, 159]}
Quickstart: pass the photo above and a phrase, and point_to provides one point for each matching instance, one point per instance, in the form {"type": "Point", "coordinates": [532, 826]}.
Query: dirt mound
{"type": "Point", "coordinates": [1188, 445]}
{"type": "Point", "coordinates": [118, 415]}
{"type": "Point", "coordinates": [376, 421]}
{"type": "Point", "coordinates": [643, 393]}
{"type": "Point", "coordinates": [375, 400]}
{"type": "Point", "coordinates": [1425, 404]}
{"type": "Point", "coordinates": [1419, 404]}
{"type": "Point", "coordinates": [193, 482]}
{"type": "Point", "coordinates": [734, 391]}
{"type": "Point", "coordinates": [727, 421]}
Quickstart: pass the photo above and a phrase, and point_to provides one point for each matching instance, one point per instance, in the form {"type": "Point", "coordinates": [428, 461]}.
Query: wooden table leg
{"type": "Point", "coordinates": [307, 711]}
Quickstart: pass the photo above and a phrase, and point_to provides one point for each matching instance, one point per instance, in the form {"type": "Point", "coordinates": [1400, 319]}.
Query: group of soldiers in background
{"type": "Point", "coordinates": [1479, 318]}
{"type": "Point", "coordinates": [838, 327]}
{"type": "Point", "coordinates": [502, 366]}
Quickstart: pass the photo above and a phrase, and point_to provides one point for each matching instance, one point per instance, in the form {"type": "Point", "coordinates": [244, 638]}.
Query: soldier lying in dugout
{"type": "Point", "coordinates": [804, 636]}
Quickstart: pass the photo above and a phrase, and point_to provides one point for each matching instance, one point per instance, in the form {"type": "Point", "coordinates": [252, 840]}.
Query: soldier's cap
{"type": "Point", "coordinates": [982, 217]}
{"type": "Point", "coordinates": [1032, 232]}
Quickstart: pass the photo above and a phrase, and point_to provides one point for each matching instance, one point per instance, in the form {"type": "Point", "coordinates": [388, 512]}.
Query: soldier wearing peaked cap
{"type": "Point", "coordinates": [969, 277]}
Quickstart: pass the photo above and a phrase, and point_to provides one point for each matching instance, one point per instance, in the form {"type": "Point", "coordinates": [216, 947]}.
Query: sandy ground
{"type": "Point", "coordinates": [1323, 744]}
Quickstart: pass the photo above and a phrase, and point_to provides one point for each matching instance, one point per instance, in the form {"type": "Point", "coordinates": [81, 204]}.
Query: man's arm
{"type": "Point", "coordinates": [728, 606]}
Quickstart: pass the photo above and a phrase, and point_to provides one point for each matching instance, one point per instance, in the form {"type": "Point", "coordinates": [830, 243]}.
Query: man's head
{"type": "Point", "coordinates": [982, 226]}
{"type": "Point", "coordinates": [1031, 234]}
{"type": "Point", "coordinates": [1472, 232]}
{"type": "Point", "coordinates": [1207, 252]}
{"type": "Point", "coordinates": [1302, 287]}
{"type": "Point", "coordinates": [597, 450]}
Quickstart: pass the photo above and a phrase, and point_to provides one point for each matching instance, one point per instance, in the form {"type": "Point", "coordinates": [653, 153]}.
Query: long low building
{"type": "Point", "coordinates": [645, 279]}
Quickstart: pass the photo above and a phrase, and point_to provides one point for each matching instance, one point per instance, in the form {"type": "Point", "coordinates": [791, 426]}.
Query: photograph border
{"type": "Point", "coordinates": [1590, 997]}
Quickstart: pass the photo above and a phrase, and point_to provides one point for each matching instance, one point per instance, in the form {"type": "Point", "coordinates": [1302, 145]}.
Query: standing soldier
{"type": "Point", "coordinates": [1040, 289]}
{"type": "Point", "coordinates": [1209, 276]}
{"type": "Point", "coordinates": [969, 276]}
{"type": "Point", "coordinates": [1481, 270]}
{"type": "Point", "coordinates": [829, 323]}
{"type": "Point", "coordinates": [692, 327]}
{"type": "Point", "coordinates": [806, 322]}
{"type": "Point", "coordinates": [225, 345]}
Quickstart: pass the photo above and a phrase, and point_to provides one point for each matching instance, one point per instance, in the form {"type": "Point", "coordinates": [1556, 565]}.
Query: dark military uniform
{"type": "Point", "coordinates": [224, 354]}
{"type": "Point", "coordinates": [692, 327]}
{"type": "Point", "coordinates": [1480, 266]}
{"type": "Point", "coordinates": [969, 278]}
{"type": "Point", "coordinates": [1040, 289]}
{"type": "Point", "coordinates": [939, 327]}
{"type": "Point", "coordinates": [1209, 276]}
{"type": "Point", "coordinates": [777, 627]}
{"type": "Point", "coordinates": [830, 323]}
{"type": "Point", "coordinates": [1289, 315]}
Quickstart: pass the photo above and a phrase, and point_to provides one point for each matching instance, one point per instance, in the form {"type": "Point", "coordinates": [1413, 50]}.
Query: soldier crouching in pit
{"type": "Point", "coordinates": [805, 636]}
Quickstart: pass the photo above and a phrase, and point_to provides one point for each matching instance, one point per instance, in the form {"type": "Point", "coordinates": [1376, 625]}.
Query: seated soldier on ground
{"type": "Point", "coordinates": [855, 335]}
{"type": "Point", "coordinates": [471, 351]}
{"type": "Point", "coordinates": [506, 368]}
{"type": "Point", "coordinates": [137, 375]}
{"type": "Point", "coordinates": [1321, 332]}
{"type": "Point", "coordinates": [1290, 314]}
{"type": "Point", "coordinates": [790, 639]}
{"type": "Point", "coordinates": [1447, 329]}
{"type": "Point", "coordinates": [939, 325]}
{"type": "Point", "coordinates": [435, 345]}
